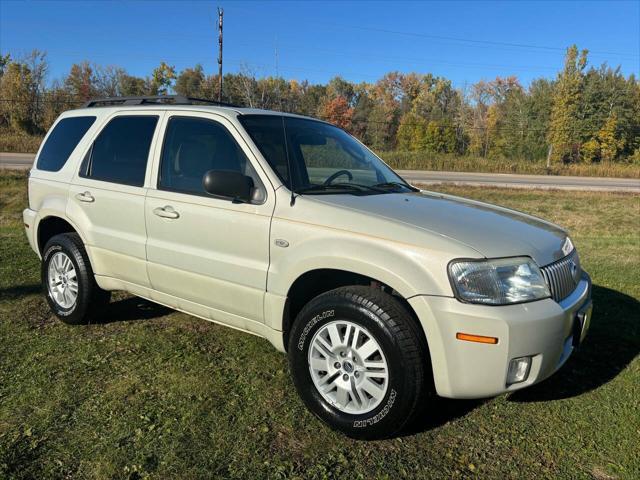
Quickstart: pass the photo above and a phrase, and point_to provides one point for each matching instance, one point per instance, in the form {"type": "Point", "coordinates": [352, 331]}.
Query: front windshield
{"type": "Point", "coordinates": [323, 158]}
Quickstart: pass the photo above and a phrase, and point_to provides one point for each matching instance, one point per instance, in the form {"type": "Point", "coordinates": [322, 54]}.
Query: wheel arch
{"type": "Point", "coordinates": [52, 225]}
{"type": "Point", "coordinates": [312, 283]}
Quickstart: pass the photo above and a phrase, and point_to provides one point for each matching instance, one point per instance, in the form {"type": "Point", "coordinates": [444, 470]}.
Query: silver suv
{"type": "Point", "coordinates": [289, 228]}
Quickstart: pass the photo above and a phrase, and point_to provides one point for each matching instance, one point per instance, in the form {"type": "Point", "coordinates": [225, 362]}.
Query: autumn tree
{"type": "Point", "coordinates": [411, 132]}
{"type": "Point", "coordinates": [339, 87]}
{"type": "Point", "coordinates": [190, 82]}
{"type": "Point", "coordinates": [4, 62]}
{"type": "Point", "coordinates": [477, 126]}
{"type": "Point", "coordinates": [588, 114]}
{"type": "Point", "coordinates": [132, 86]}
{"type": "Point", "coordinates": [338, 112]}
{"type": "Point", "coordinates": [362, 110]}
{"type": "Point", "coordinates": [81, 81]}
{"type": "Point", "coordinates": [564, 125]}
{"type": "Point", "coordinates": [608, 139]}
{"type": "Point", "coordinates": [14, 88]}
{"type": "Point", "coordinates": [107, 80]}
{"type": "Point", "coordinates": [57, 101]}
{"type": "Point", "coordinates": [162, 79]}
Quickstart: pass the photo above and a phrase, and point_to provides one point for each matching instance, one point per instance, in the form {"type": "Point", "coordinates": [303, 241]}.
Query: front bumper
{"type": "Point", "coordinates": [546, 330]}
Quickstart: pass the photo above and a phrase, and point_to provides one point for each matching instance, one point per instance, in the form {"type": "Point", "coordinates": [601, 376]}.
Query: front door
{"type": "Point", "coordinates": [211, 252]}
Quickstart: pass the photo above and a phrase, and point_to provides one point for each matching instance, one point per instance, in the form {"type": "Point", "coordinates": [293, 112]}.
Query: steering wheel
{"type": "Point", "coordinates": [330, 180]}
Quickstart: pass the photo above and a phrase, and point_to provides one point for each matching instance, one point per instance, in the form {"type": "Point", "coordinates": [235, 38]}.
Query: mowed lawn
{"type": "Point", "coordinates": [152, 393]}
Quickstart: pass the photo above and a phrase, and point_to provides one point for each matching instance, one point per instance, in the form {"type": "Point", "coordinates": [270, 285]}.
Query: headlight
{"type": "Point", "coordinates": [498, 282]}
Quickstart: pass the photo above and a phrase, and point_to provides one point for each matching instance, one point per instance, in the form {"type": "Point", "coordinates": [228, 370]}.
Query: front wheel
{"type": "Point", "coordinates": [358, 361]}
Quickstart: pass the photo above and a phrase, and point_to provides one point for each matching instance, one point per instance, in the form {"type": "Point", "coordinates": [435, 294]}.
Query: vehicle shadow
{"type": "Point", "coordinates": [131, 309]}
{"type": "Point", "coordinates": [612, 343]}
{"type": "Point", "coordinates": [438, 411]}
{"type": "Point", "coordinates": [125, 309]}
{"type": "Point", "coordinates": [12, 293]}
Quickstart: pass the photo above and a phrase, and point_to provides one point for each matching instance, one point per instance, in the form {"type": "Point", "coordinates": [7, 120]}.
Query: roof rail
{"type": "Point", "coordinates": [152, 100]}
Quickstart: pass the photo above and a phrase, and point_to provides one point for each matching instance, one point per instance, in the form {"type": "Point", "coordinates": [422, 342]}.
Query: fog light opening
{"type": "Point", "coordinates": [518, 370]}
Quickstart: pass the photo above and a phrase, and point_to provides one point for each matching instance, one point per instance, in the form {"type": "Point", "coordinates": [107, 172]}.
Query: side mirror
{"type": "Point", "coordinates": [229, 184]}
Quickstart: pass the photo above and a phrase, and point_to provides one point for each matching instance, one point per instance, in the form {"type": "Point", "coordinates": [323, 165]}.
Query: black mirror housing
{"type": "Point", "coordinates": [228, 184]}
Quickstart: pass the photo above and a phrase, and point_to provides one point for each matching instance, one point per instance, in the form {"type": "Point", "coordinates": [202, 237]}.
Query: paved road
{"type": "Point", "coordinates": [524, 181]}
{"type": "Point", "coordinates": [24, 161]}
{"type": "Point", "coordinates": [20, 161]}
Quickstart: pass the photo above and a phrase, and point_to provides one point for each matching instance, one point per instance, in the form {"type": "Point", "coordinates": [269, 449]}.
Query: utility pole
{"type": "Point", "coordinates": [220, 15]}
{"type": "Point", "coordinates": [278, 76]}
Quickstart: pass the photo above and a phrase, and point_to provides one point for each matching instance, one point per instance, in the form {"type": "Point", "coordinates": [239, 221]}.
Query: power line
{"type": "Point", "coordinates": [470, 40]}
{"type": "Point", "coordinates": [474, 41]}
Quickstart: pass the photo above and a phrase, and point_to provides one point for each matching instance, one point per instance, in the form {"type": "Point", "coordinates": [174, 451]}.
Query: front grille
{"type": "Point", "coordinates": [563, 276]}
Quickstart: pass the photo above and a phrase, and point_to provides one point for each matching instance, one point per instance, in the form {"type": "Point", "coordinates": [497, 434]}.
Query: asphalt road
{"type": "Point", "coordinates": [23, 161]}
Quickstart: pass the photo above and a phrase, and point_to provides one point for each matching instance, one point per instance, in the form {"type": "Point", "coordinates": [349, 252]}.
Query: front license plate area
{"type": "Point", "coordinates": [581, 323]}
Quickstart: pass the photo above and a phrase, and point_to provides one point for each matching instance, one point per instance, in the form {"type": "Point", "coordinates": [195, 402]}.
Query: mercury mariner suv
{"type": "Point", "coordinates": [291, 229]}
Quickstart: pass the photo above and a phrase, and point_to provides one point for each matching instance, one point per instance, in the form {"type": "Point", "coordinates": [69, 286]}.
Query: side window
{"type": "Point", "coordinates": [62, 141]}
{"type": "Point", "coordinates": [192, 147]}
{"type": "Point", "coordinates": [120, 152]}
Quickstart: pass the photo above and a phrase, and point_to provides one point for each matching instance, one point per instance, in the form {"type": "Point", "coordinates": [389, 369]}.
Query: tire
{"type": "Point", "coordinates": [371, 313]}
{"type": "Point", "coordinates": [66, 252]}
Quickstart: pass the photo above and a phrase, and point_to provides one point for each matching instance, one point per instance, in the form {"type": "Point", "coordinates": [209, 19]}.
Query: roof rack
{"type": "Point", "coordinates": [153, 100]}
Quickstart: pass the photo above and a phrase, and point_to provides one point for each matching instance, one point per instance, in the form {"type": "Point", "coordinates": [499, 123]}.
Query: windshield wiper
{"type": "Point", "coordinates": [341, 186]}
{"type": "Point", "coordinates": [396, 184]}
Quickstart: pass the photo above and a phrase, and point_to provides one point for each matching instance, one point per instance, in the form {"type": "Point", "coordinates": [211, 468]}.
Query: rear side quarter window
{"type": "Point", "coordinates": [62, 141]}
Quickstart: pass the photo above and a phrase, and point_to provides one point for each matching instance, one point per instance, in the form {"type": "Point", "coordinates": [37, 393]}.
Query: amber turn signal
{"type": "Point", "coordinates": [476, 338]}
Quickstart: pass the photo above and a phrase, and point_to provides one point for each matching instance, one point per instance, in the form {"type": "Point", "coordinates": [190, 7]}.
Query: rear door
{"type": "Point", "coordinates": [209, 251]}
{"type": "Point", "coordinates": [106, 199]}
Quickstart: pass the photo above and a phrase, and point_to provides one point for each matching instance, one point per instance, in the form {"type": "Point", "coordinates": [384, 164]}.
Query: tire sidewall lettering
{"type": "Point", "coordinates": [380, 415]}
{"type": "Point", "coordinates": [52, 249]}
{"type": "Point", "coordinates": [312, 323]}
{"type": "Point", "coordinates": [46, 257]}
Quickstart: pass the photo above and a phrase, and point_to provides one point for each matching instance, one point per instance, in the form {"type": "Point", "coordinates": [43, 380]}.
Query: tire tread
{"type": "Point", "coordinates": [402, 326]}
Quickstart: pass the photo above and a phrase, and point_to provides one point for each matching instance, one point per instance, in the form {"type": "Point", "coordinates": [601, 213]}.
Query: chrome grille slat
{"type": "Point", "coordinates": [560, 277]}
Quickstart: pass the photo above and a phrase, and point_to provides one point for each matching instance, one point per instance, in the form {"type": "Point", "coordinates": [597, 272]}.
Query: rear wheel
{"type": "Point", "coordinates": [67, 277]}
{"type": "Point", "coordinates": [358, 362]}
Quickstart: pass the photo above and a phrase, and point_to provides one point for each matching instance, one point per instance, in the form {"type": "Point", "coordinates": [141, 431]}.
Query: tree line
{"type": "Point", "coordinates": [584, 114]}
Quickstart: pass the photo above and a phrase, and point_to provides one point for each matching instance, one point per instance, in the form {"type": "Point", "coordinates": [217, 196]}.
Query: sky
{"type": "Point", "coordinates": [360, 41]}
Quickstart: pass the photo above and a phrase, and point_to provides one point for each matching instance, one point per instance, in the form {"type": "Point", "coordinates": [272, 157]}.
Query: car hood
{"type": "Point", "coordinates": [491, 230]}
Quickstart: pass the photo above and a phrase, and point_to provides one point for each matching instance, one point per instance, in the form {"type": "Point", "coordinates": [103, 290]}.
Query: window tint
{"type": "Point", "coordinates": [62, 141]}
{"type": "Point", "coordinates": [268, 133]}
{"type": "Point", "coordinates": [320, 155]}
{"type": "Point", "coordinates": [120, 152]}
{"type": "Point", "coordinates": [192, 147]}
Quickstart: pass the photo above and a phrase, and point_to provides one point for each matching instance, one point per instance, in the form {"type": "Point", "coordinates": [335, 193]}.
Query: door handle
{"type": "Point", "coordinates": [85, 197]}
{"type": "Point", "coordinates": [166, 212]}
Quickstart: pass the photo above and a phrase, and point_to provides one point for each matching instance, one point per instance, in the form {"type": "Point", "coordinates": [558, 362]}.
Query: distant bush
{"type": "Point", "coordinates": [453, 163]}
{"type": "Point", "coordinates": [19, 142]}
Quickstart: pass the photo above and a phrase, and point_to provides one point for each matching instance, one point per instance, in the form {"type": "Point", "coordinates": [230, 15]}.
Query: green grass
{"type": "Point", "coordinates": [157, 394]}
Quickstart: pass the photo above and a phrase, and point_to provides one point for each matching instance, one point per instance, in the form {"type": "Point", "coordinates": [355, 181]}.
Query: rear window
{"type": "Point", "coordinates": [62, 141]}
{"type": "Point", "coordinates": [120, 152]}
